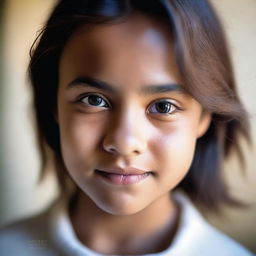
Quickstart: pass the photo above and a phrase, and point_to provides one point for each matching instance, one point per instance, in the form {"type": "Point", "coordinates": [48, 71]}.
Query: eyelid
{"type": "Point", "coordinates": [164, 100]}
{"type": "Point", "coordinates": [81, 96]}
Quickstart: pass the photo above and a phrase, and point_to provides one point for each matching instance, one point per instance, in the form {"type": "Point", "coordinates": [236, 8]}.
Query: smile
{"type": "Point", "coordinates": [122, 178]}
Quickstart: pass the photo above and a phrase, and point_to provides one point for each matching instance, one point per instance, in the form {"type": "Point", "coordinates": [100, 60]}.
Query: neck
{"type": "Point", "coordinates": [148, 231]}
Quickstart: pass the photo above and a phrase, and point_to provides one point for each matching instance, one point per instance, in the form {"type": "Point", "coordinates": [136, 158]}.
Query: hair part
{"type": "Point", "coordinates": [204, 64]}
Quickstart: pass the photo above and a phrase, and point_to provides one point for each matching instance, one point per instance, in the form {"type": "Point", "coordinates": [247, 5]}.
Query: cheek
{"type": "Point", "coordinates": [80, 137]}
{"type": "Point", "coordinates": [174, 153]}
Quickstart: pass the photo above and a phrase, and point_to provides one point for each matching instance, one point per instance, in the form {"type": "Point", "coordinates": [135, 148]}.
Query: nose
{"type": "Point", "coordinates": [125, 136]}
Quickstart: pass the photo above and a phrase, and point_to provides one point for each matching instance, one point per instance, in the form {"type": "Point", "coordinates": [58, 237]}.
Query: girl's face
{"type": "Point", "coordinates": [128, 129]}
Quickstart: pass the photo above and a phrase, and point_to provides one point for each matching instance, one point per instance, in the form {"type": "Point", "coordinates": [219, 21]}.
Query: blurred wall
{"type": "Point", "coordinates": [1, 80]}
{"type": "Point", "coordinates": [238, 18]}
{"type": "Point", "coordinates": [19, 193]}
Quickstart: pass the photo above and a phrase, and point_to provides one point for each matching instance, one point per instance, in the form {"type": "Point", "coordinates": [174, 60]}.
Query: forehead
{"type": "Point", "coordinates": [137, 44]}
{"type": "Point", "coordinates": [138, 27]}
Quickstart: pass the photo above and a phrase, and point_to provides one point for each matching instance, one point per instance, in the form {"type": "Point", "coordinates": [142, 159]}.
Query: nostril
{"type": "Point", "coordinates": [124, 145]}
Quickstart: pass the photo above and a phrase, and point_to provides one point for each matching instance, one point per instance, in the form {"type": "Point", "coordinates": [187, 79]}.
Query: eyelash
{"type": "Point", "coordinates": [172, 108]}
{"type": "Point", "coordinates": [169, 105]}
{"type": "Point", "coordinates": [82, 97]}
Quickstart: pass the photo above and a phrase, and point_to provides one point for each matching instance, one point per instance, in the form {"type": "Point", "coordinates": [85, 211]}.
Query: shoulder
{"type": "Point", "coordinates": [200, 237]}
{"type": "Point", "coordinates": [29, 236]}
{"type": "Point", "coordinates": [220, 244]}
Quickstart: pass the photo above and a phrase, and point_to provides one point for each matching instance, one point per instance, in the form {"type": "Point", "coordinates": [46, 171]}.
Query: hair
{"type": "Point", "coordinates": [203, 61]}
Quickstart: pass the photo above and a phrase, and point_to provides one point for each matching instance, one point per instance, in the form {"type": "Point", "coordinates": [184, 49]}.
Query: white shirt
{"type": "Point", "coordinates": [51, 234]}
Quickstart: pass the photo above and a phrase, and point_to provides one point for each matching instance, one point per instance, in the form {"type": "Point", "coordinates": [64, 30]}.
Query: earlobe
{"type": "Point", "coordinates": [204, 124]}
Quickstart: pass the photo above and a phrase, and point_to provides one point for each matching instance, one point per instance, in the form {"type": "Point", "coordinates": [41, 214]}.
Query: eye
{"type": "Point", "coordinates": [162, 107]}
{"type": "Point", "coordinates": [94, 100]}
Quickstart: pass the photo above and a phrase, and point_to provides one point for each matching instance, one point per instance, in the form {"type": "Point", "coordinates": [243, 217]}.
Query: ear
{"type": "Point", "coordinates": [204, 124]}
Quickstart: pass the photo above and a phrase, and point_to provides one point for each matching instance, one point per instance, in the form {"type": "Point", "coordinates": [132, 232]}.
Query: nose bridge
{"type": "Point", "coordinates": [124, 134]}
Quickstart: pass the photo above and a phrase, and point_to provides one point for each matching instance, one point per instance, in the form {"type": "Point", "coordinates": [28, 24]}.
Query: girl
{"type": "Point", "coordinates": [134, 99]}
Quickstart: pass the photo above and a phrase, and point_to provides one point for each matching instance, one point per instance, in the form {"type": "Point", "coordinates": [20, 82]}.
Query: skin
{"type": "Point", "coordinates": [129, 131]}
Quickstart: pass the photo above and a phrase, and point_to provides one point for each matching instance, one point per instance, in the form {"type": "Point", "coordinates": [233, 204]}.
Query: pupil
{"type": "Point", "coordinates": [94, 100]}
{"type": "Point", "coordinates": [163, 107]}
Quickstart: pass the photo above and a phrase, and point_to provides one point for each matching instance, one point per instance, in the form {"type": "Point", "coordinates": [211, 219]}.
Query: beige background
{"type": "Point", "coordinates": [19, 193]}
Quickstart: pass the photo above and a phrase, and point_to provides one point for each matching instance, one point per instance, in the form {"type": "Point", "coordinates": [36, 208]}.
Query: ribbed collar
{"type": "Point", "coordinates": [65, 238]}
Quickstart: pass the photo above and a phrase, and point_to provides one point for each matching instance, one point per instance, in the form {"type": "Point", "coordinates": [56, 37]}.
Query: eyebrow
{"type": "Point", "coordinates": [86, 81]}
{"type": "Point", "coordinates": [161, 88]}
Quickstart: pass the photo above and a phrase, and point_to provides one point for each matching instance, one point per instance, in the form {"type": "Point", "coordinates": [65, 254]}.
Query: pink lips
{"type": "Point", "coordinates": [126, 176]}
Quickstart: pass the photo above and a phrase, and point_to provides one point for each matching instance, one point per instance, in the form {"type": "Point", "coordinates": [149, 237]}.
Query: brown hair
{"type": "Point", "coordinates": [204, 64]}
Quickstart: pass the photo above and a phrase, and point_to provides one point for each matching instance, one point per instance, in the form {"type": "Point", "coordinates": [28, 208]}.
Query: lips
{"type": "Point", "coordinates": [118, 176]}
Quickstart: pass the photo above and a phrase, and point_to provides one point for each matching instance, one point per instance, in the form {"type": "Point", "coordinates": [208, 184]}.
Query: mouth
{"type": "Point", "coordinates": [127, 176]}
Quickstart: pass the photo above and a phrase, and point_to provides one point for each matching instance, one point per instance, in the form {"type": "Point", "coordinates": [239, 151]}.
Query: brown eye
{"type": "Point", "coordinates": [162, 107]}
{"type": "Point", "coordinates": [94, 100]}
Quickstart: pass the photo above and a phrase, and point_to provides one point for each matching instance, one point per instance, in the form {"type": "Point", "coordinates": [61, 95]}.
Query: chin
{"type": "Point", "coordinates": [117, 208]}
{"type": "Point", "coordinates": [121, 211]}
